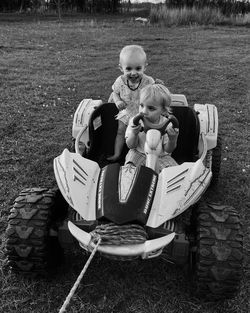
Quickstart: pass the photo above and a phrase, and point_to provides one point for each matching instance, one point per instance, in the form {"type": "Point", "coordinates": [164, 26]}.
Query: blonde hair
{"type": "Point", "coordinates": [158, 93]}
{"type": "Point", "coordinates": [131, 50]}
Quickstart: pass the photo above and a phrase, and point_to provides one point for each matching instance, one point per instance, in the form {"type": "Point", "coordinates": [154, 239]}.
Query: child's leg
{"type": "Point", "coordinates": [166, 161]}
{"type": "Point", "coordinates": [135, 157]}
{"type": "Point", "coordinates": [119, 141]}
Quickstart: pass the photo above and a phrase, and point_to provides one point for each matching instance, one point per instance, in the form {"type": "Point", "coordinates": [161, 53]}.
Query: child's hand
{"type": "Point", "coordinates": [136, 129]}
{"type": "Point", "coordinates": [159, 81]}
{"type": "Point", "coordinates": [121, 105]}
{"type": "Point", "coordinates": [172, 132]}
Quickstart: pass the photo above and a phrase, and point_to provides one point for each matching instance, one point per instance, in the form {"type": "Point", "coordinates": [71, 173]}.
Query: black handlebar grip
{"type": "Point", "coordinates": [137, 119]}
{"type": "Point", "coordinates": [174, 121]}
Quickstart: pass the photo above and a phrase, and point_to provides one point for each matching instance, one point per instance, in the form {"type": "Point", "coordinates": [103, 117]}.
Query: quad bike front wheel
{"type": "Point", "coordinates": [218, 256]}
{"type": "Point", "coordinates": [30, 247]}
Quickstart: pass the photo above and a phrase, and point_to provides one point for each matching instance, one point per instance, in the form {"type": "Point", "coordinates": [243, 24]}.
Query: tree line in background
{"type": "Point", "coordinates": [227, 7]}
{"type": "Point", "coordinates": [91, 6]}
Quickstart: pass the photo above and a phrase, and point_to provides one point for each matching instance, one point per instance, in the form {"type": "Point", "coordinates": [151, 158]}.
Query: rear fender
{"type": "Point", "coordinates": [178, 100]}
{"type": "Point", "coordinates": [82, 117]}
{"type": "Point", "coordinates": [178, 188]}
{"type": "Point", "coordinates": [208, 118]}
{"type": "Point", "coordinates": [77, 179]}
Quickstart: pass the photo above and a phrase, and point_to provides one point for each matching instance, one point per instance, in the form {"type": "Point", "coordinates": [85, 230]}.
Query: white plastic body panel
{"type": "Point", "coordinates": [82, 117]}
{"type": "Point", "coordinates": [77, 180]}
{"type": "Point", "coordinates": [144, 249]}
{"type": "Point", "coordinates": [179, 100]}
{"type": "Point", "coordinates": [153, 148]}
{"type": "Point", "coordinates": [208, 117]}
{"type": "Point", "coordinates": [178, 187]}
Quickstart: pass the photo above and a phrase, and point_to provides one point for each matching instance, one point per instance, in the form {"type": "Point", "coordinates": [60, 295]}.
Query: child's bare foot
{"type": "Point", "coordinates": [113, 158]}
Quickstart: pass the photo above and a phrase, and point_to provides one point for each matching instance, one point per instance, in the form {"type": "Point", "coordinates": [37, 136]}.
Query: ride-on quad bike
{"type": "Point", "coordinates": [137, 212]}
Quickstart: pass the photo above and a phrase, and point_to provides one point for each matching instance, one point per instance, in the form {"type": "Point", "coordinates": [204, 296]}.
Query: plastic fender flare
{"type": "Point", "coordinates": [142, 249]}
{"type": "Point", "coordinates": [208, 118]}
{"type": "Point", "coordinates": [82, 116]}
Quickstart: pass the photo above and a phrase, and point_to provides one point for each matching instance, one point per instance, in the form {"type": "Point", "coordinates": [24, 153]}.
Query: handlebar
{"type": "Point", "coordinates": [172, 119]}
{"type": "Point", "coordinates": [137, 119]}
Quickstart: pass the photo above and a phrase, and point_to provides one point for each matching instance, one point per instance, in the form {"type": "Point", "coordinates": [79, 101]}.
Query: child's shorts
{"type": "Point", "coordinates": [138, 159]}
{"type": "Point", "coordinates": [125, 115]}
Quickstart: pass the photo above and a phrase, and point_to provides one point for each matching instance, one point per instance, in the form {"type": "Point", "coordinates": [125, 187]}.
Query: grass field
{"type": "Point", "coordinates": [46, 69]}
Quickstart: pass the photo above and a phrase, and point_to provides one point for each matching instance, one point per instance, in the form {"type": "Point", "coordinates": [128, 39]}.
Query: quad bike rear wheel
{"type": "Point", "coordinates": [30, 247]}
{"type": "Point", "coordinates": [218, 256]}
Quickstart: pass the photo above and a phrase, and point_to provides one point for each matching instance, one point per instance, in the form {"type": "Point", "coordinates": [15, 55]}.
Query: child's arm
{"type": "Point", "coordinates": [131, 135]}
{"type": "Point", "coordinates": [118, 101]}
{"type": "Point", "coordinates": [116, 87]}
{"type": "Point", "coordinates": [171, 143]}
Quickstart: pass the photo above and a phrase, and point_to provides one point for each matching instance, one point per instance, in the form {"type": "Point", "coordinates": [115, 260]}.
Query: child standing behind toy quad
{"type": "Point", "coordinates": [126, 90]}
{"type": "Point", "coordinates": [155, 103]}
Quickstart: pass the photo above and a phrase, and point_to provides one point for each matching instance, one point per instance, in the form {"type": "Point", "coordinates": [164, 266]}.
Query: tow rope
{"type": "Point", "coordinates": [113, 234]}
{"type": "Point", "coordinates": [108, 234]}
{"type": "Point", "coordinates": [79, 278]}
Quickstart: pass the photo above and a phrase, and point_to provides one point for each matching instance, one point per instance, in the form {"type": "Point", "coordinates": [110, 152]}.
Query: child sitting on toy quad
{"type": "Point", "coordinates": [154, 106]}
{"type": "Point", "coordinates": [126, 90]}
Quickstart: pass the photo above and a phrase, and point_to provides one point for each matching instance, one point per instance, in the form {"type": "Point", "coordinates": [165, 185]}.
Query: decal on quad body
{"type": "Point", "coordinates": [126, 181]}
{"type": "Point", "coordinates": [178, 187]}
{"type": "Point", "coordinates": [77, 179]}
{"type": "Point", "coordinates": [139, 193]}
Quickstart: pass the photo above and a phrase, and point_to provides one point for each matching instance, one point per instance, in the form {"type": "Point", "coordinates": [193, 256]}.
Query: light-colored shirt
{"type": "Point", "coordinates": [142, 134]}
{"type": "Point", "coordinates": [129, 96]}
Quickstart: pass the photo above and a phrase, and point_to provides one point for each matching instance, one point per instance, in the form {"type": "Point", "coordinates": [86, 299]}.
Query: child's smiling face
{"type": "Point", "coordinates": [133, 67]}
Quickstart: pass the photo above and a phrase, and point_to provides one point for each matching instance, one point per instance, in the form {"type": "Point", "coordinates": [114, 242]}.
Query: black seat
{"type": "Point", "coordinates": [103, 129]}
{"type": "Point", "coordinates": [102, 133]}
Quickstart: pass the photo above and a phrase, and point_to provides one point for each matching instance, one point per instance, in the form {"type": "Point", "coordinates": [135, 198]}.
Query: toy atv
{"type": "Point", "coordinates": [137, 212]}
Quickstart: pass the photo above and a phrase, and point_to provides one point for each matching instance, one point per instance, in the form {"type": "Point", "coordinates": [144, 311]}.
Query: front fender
{"type": "Point", "coordinates": [77, 179]}
{"type": "Point", "coordinates": [178, 188]}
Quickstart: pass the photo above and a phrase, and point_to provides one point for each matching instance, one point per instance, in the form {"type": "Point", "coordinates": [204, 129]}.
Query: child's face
{"type": "Point", "coordinates": [151, 110]}
{"type": "Point", "coordinates": [133, 67]}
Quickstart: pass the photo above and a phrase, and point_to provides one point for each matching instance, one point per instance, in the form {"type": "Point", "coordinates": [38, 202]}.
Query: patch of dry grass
{"type": "Point", "coordinates": [194, 16]}
{"type": "Point", "coordinates": [47, 68]}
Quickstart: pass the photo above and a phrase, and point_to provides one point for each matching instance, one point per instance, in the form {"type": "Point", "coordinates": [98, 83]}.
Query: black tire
{"type": "Point", "coordinates": [30, 248]}
{"type": "Point", "coordinates": [71, 146]}
{"type": "Point", "coordinates": [216, 161]}
{"type": "Point", "coordinates": [218, 256]}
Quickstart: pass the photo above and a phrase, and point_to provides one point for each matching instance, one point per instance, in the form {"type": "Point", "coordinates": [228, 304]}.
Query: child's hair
{"type": "Point", "coordinates": [132, 50]}
{"type": "Point", "coordinates": [158, 93]}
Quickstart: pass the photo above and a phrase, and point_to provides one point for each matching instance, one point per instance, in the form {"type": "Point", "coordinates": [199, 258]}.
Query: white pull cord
{"type": "Point", "coordinates": [79, 278]}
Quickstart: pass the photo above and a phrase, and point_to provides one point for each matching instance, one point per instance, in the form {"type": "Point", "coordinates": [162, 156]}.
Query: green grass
{"type": "Point", "coordinates": [47, 69]}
